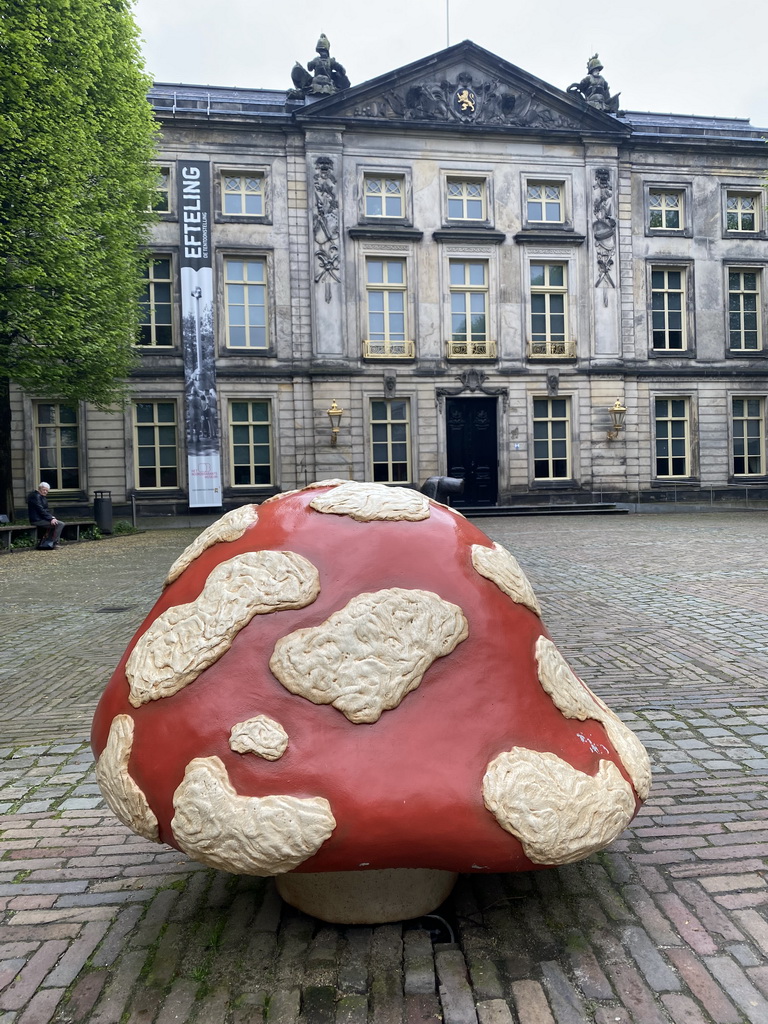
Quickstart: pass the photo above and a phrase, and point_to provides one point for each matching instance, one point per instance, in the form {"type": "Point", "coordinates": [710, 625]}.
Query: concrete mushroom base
{"type": "Point", "coordinates": [367, 897]}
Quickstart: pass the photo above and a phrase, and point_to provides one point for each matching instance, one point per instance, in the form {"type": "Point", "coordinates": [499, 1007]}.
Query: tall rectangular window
{"type": "Point", "coordinates": [466, 199]}
{"type": "Point", "coordinates": [57, 445]}
{"type": "Point", "coordinates": [668, 309]}
{"type": "Point", "coordinates": [242, 194]}
{"type": "Point", "coordinates": [741, 211]}
{"type": "Point", "coordinates": [245, 284]}
{"type": "Point", "coordinates": [156, 304]}
{"type": "Point", "coordinates": [384, 196]}
{"type": "Point", "coordinates": [250, 428]}
{"type": "Point", "coordinates": [391, 440]}
{"type": "Point", "coordinates": [552, 438]}
{"type": "Point", "coordinates": [665, 210]}
{"type": "Point", "coordinates": [156, 457]}
{"type": "Point", "coordinates": [469, 308]}
{"type": "Point", "coordinates": [744, 310]}
{"type": "Point", "coordinates": [544, 202]}
{"type": "Point", "coordinates": [673, 455]}
{"type": "Point", "coordinates": [162, 199]}
{"type": "Point", "coordinates": [386, 298]}
{"type": "Point", "coordinates": [748, 436]}
{"type": "Point", "coordinates": [549, 290]}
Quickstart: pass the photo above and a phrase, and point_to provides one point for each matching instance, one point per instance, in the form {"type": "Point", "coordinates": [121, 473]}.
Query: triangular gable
{"type": "Point", "coordinates": [464, 85]}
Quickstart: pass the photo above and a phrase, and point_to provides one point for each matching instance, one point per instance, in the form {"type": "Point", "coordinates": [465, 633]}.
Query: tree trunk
{"type": "Point", "coordinates": [6, 473]}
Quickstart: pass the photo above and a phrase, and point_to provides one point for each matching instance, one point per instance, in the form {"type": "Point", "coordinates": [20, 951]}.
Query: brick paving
{"type": "Point", "coordinates": [666, 617]}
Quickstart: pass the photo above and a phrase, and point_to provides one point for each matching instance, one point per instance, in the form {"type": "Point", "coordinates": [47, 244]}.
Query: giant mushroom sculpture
{"type": "Point", "coordinates": [349, 687]}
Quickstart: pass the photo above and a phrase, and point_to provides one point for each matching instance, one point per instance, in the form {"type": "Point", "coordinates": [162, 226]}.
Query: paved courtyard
{"type": "Point", "coordinates": [666, 618]}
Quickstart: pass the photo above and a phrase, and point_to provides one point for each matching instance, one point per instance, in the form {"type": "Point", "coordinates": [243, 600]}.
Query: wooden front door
{"type": "Point", "coordinates": [473, 449]}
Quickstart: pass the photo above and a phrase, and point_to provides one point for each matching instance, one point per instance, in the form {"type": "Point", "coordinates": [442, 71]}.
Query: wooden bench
{"type": "Point", "coordinates": [10, 530]}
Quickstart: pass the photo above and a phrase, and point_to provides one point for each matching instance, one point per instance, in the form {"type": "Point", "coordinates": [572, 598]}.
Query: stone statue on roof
{"type": "Point", "coordinates": [322, 76]}
{"type": "Point", "coordinates": [594, 88]}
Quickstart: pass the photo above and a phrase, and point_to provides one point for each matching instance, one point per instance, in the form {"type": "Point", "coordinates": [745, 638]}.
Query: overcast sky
{"type": "Point", "coordinates": [674, 56]}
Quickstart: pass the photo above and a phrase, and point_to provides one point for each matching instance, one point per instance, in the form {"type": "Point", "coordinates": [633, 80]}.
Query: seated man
{"type": "Point", "coordinates": [41, 515]}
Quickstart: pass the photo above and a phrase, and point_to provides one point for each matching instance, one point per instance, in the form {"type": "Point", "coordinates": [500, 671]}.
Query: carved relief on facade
{"type": "Point", "coordinates": [604, 227]}
{"type": "Point", "coordinates": [325, 224]}
{"type": "Point", "coordinates": [464, 101]}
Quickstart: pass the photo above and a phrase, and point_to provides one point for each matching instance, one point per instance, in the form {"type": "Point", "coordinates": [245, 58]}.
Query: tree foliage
{"type": "Point", "coordinates": [76, 140]}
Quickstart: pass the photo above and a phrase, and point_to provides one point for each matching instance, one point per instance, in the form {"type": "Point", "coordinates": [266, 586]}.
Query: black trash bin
{"type": "Point", "coordinates": [102, 510]}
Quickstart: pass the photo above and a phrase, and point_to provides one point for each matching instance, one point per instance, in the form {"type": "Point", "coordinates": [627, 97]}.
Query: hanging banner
{"type": "Point", "coordinates": [196, 271]}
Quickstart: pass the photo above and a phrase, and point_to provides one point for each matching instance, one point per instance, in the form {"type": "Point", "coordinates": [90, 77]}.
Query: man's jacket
{"type": "Point", "coordinates": [37, 508]}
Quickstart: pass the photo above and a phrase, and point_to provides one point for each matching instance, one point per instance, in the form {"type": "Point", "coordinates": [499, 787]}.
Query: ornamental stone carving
{"type": "Point", "coordinates": [323, 75]}
{"type": "Point", "coordinates": [462, 100]}
{"type": "Point", "coordinates": [603, 227]}
{"type": "Point", "coordinates": [594, 89]}
{"type": "Point", "coordinates": [366, 657]}
{"type": "Point", "coordinates": [325, 225]}
{"type": "Point", "coordinates": [187, 638]}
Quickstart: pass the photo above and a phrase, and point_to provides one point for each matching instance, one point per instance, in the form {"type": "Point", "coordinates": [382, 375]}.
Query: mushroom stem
{"type": "Point", "coordinates": [367, 897]}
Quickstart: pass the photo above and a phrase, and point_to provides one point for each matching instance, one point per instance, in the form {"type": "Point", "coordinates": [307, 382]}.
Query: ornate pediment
{"type": "Point", "coordinates": [464, 86]}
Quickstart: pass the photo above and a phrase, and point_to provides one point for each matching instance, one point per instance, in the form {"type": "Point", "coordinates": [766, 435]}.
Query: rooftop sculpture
{"type": "Point", "coordinates": [594, 88]}
{"type": "Point", "coordinates": [326, 78]}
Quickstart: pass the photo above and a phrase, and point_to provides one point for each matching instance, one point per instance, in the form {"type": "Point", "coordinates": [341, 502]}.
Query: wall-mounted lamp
{"type": "Point", "coordinates": [334, 415]}
{"type": "Point", "coordinates": [617, 412]}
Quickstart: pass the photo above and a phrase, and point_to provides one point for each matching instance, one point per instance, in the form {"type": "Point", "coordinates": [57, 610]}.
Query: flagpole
{"type": "Point", "coordinates": [447, 22]}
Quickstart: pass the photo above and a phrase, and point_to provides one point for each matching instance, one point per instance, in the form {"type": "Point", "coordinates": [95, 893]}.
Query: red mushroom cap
{"type": "Point", "coordinates": [352, 677]}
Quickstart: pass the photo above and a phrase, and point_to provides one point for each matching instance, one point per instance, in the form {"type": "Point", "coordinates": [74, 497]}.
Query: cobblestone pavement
{"type": "Point", "coordinates": [664, 616]}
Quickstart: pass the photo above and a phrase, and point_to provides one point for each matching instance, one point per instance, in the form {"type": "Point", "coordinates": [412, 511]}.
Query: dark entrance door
{"type": "Point", "coordinates": [472, 448]}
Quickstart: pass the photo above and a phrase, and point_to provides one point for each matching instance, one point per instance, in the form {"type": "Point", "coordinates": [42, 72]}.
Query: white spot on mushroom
{"type": "Point", "coordinates": [558, 813]}
{"type": "Point", "coordinates": [230, 527]}
{"type": "Point", "coordinates": [120, 791]}
{"type": "Point", "coordinates": [298, 490]}
{"type": "Point", "coordinates": [260, 735]}
{"type": "Point", "coordinates": [188, 638]}
{"type": "Point", "coordinates": [368, 502]}
{"type": "Point", "coordinates": [503, 569]}
{"type": "Point", "coordinates": [368, 655]}
{"type": "Point", "coordinates": [575, 700]}
{"type": "Point", "coordinates": [245, 834]}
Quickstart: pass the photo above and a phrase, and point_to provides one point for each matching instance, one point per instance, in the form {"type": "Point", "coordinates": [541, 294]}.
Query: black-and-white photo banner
{"type": "Point", "coordinates": [201, 414]}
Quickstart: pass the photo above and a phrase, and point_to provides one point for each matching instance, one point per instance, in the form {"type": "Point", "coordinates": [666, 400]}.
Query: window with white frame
{"type": "Point", "coordinates": [549, 297]}
{"type": "Point", "coordinates": [156, 303]}
{"type": "Point", "coordinates": [245, 287]}
{"type": "Point", "coordinates": [386, 302]}
{"type": "Point", "coordinates": [391, 440]}
{"type": "Point", "coordinates": [665, 209]}
{"type": "Point", "coordinates": [162, 199]}
{"type": "Point", "coordinates": [552, 438]}
{"type": "Point", "coordinates": [748, 429]}
{"type": "Point", "coordinates": [742, 211]}
{"type": "Point", "coordinates": [155, 445]}
{"type": "Point", "coordinates": [672, 430]}
{"type": "Point", "coordinates": [57, 445]}
{"type": "Point", "coordinates": [466, 199]}
{"type": "Point", "coordinates": [469, 308]}
{"type": "Point", "coordinates": [668, 317]}
{"type": "Point", "coordinates": [544, 202]}
{"type": "Point", "coordinates": [744, 333]}
{"type": "Point", "coordinates": [242, 194]}
{"type": "Point", "coordinates": [384, 195]}
{"type": "Point", "coordinates": [250, 434]}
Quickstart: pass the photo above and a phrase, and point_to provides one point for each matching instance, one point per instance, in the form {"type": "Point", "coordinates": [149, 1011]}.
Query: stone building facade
{"type": "Point", "coordinates": [473, 265]}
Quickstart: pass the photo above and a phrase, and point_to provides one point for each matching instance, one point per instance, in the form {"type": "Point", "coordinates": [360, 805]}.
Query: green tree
{"type": "Point", "coordinates": [76, 184]}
